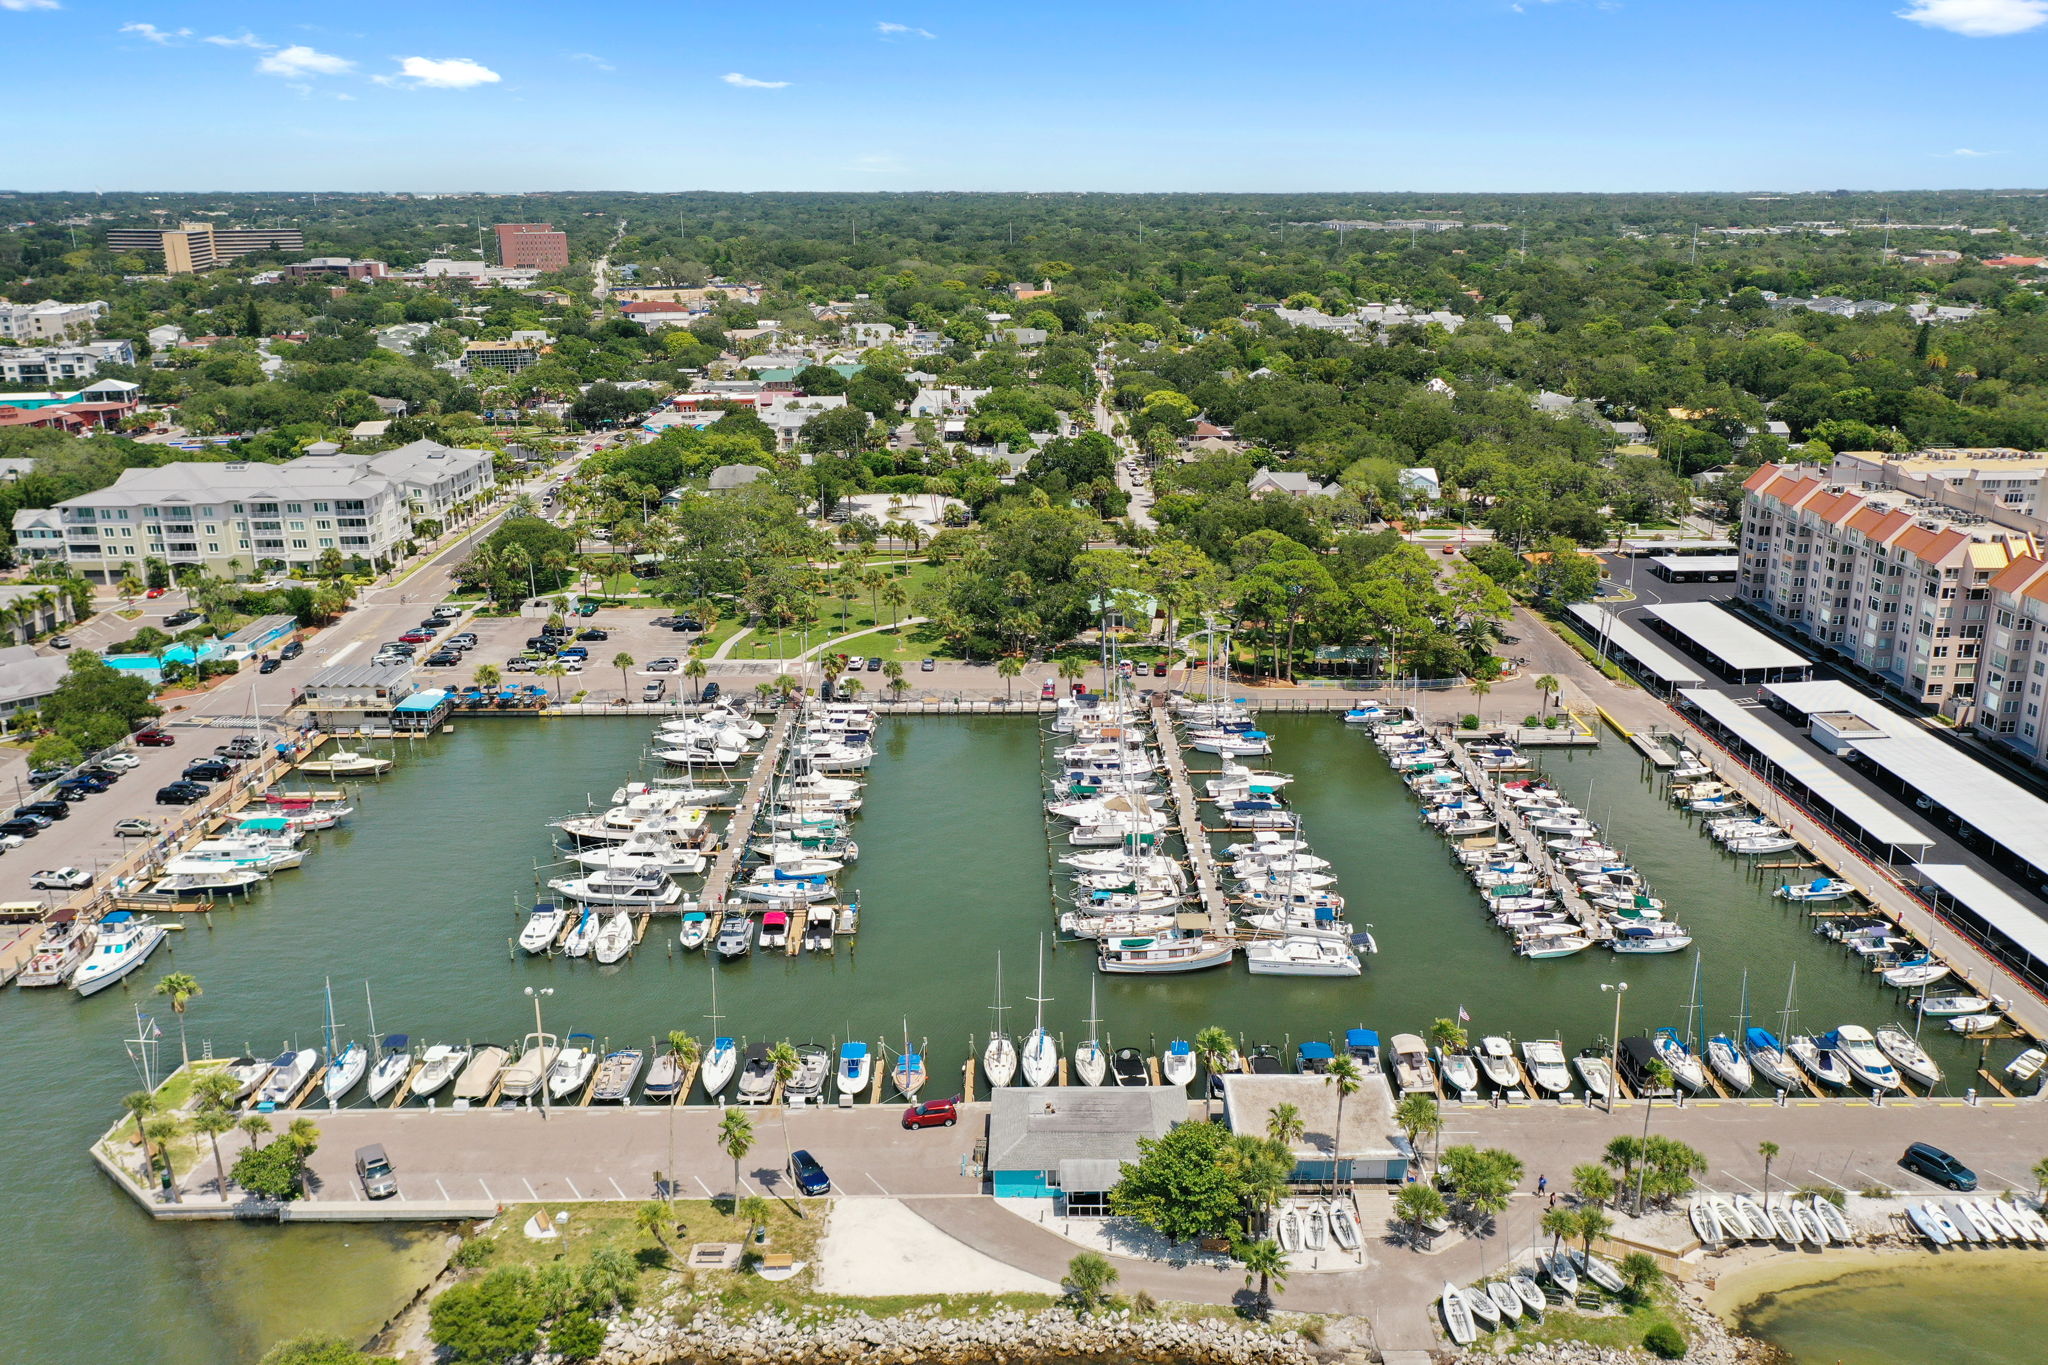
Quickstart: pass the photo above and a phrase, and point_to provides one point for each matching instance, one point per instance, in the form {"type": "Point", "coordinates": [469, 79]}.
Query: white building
{"type": "Point", "coordinates": [49, 320]}
{"type": "Point", "coordinates": [57, 367]}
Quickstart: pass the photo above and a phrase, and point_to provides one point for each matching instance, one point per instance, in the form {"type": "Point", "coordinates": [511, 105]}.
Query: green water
{"type": "Point", "coordinates": [1984, 1310]}
{"type": "Point", "coordinates": [419, 895]}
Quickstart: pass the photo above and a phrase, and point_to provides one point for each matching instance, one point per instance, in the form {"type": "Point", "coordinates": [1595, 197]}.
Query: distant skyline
{"type": "Point", "coordinates": [1290, 95]}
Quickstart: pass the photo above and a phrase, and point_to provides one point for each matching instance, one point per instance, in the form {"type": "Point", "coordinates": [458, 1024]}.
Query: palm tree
{"type": "Point", "coordinates": [1347, 1075]}
{"type": "Point", "coordinates": [1073, 668]}
{"type": "Point", "coordinates": [1417, 1115]}
{"type": "Point", "coordinates": [253, 1127]}
{"type": "Point", "coordinates": [1007, 668]}
{"type": "Point", "coordinates": [784, 1062]}
{"type": "Point", "coordinates": [1659, 1076]}
{"type": "Point", "coordinates": [130, 587]}
{"type": "Point", "coordinates": [1641, 1271]}
{"type": "Point", "coordinates": [1480, 687]}
{"type": "Point", "coordinates": [874, 580]}
{"type": "Point", "coordinates": [1549, 686]}
{"type": "Point", "coordinates": [556, 670]}
{"type": "Point", "coordinates": [163, 1130]}
{"type": "Point", "coordinates": [1284, 1124]}
{"type": "Point", "coordinates": [652, 1218]}
{"type": "Point", "coordinates": [1560, 1223]}
{"type": "Point", "coordinates": [212, 1123]}
{"type": "Point", "coordinates": [624, 663]}
{"type": "Point", "coordinates": [696, 670]}
{"type": "Point", "coordinates": [1419, 1204]}
{"type": "Point", "coordinates": [736, 1139]}
{"type": "Point", "coordinates": [181, 989]}
{"type": "Point", "coordinates": [1448, 1035]}
{"type": "Point", "coordinates": [2040, 1174]}
{"type": "Point", "coordinates": [1594, 1184]}
{"type": "Point", "coordinates": [142, 1104]}
{"type": "Point", "coordinates": [488, 677]}
{"type": "Point", "coordinates": [1769, 1152]}
{"type": "Point", "coordinates": [897, 597]}
{"type": "Point", "coordinates": [1265, 1261]}
{"type": "Point", "coordinates": [686, 1049]}
{"type": "Point", "coordinates": [1089, 1279]}
{"type": "Point", "coordinates": [1214, 1046]}
{"type": "Point", "coordinates": [1593, 1224]}
{"type": "Point", "coordinates": [214, 1090]}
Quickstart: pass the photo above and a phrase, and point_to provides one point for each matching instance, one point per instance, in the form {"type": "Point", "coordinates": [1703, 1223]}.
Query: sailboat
{"type": "Point", "coordinates": [1766, 1053]}
{"type": "Point", "coordinates": [999, 1058]}
{"type": "Point", "coordinates": [1725, 1057]}
{"type": "Point", "coordinates": [1041, 1060]}
{"type": "Point", "coordinates": [343, 1069]}
{"type": "Point", "coordinates": [723, 1058]}
{"type": "Point", "coordinates": [393, 1066]}
{"type": "Point", "coordinates": [909, 1072]}
{"type": "Point", "coordinates": [1091, 1063]}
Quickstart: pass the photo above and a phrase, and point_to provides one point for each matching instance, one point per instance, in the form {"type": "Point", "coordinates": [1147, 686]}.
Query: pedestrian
{"type": "Point", "coordinates": [1553, 1200]}
{"type": "Point", "coordinates": [1542, 1183]}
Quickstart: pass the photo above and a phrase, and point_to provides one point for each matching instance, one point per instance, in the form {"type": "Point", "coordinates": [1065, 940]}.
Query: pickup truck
{"type": "Point", "coordinates": [60, 879]}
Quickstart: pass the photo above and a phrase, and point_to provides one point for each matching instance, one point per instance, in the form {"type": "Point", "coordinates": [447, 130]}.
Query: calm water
{"type": "Point", "coordinates": [419, 896]}
{"type": "Point", "coordinates": [1985, 1309]}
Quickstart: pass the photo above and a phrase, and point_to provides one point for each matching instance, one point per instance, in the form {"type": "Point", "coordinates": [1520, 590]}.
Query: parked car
{"type": "Point", "coordinates": [1159, 669]}
{"type": "Point", "coordinates": [932, 1114]}
{"type": "Point", "coordinates": [52, 810]}
{"type": "Point", "coordinates": [664, 665]}
{"type": "Point", "coordinates": [60, 879]}
{"type": "Point", "coordinates": [593, 634]}
{"type": "Point", "coordinates": [180, 618]}
{"type": "Point", "coordinates": [926, 665]}
{"type": "Point", "coordinates": [562, 631]}
{"type": "Point", "coordinates": [292, 650]}
{"type": "Point", "coordinates": [38, 776]}
{"type": "Point", "coordinates": [1930, 1161]}
{"type": "Point", "coordinates": [120, 762]}
{"type": "Point", "coordinates": [82, 786]}
{"type": "Point", "coordinates": [60, 642]}
{"type": "Point", "coordinates": [433, 623]}
{"type": "Point", "coordinates": [1047, 690]}
{"type": "Point", "coordinates": [688, 623]}
{"type": "Point", "coordinates": [875, 664]}
{"type": "Point", "coordinates": [587, 609]}
{"type": "Point", "coordinates": [154, 739]}
{"type": "Point", "coordinates": [655, 690]}
{"type": "Point", "coordinates": [447, 611]}
{"type": "Point", "coordinates": [710, 692]}
{"type": "Point", "coordinates": [209, 770]}
{"type": "Point", "coordinates": [373, 1168]}
{"type": "Point", "coordinates": [21, 827]}
{"type": "Point", "coordinates": [519, 664]}
{"type": "Point", "coordinates": [465, 639]}
{"type": "Point", "coordinates": [444, 658]}
{"type": "Point", "coordinates": [137, 829]}
{"type": "Point", "coordinates": [270, 664]}
{"type": "Point", "coordinates": [809, 1174]}
{"type": "Point", "coordinates": [416, 637]}
{"type": "Point", "coordinates": [179, 794]}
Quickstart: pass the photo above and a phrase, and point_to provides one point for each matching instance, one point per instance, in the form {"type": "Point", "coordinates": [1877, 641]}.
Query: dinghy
{"type": "Point", "coordinates": [1601, 1273]}
{"type": "Point", "coordinates": [1926, 1226]}
{"type": "Point", "coordinates": [1484, 1310]}
{"type": "Point", "coordinates": [1832, 1221]}
{"type": "Point", "coordinates": [1506, 1300]}
{"type": "Point", "coordinates": [1531, 1295]}
{"type": "Point", "coordinates": [1458, 1321]}
{"type": "Point", "coordinates": [1754, 1220]}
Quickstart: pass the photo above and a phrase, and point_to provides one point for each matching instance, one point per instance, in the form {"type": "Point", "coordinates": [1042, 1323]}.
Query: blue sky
{"type": "Point", "coordinates": [1055, 94]}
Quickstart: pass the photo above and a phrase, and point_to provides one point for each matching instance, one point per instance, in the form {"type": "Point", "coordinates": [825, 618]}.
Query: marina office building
{"type": "Point", "coordinates": [246, 514]}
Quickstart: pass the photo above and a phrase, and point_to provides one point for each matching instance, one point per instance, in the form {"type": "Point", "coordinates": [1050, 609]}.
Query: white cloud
{"type": "Point", "coordinates": [591, 57]}
{"type": "Point", "coordinates": [749, 83]}
{"type": "Point", "coordinates": [299, 60]}
{"type": "Point", "coordinates": [888, 30]}
{"type": "Point", "coordinates": [1969, 152]}
{"type": "Point", "coordinates": [440, 73]}
{"type": "Point", "coordinates": [1979, 18]}
{"type": "Point", "coordinates": [155, 34]}
{"type": "Point", "coordinates": [29, 4]}
{"type": "Point", "coordinates": [246, 40]}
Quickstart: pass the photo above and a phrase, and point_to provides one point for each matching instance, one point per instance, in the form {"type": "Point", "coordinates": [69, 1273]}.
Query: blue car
{"type": "Point", "coordinates": [810, 1176]}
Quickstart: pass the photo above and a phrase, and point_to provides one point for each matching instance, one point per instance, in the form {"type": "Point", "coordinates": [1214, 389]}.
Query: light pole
{"type": "Point", "coordinates": [1620, 988]}
{"type": "Point", "coordinates": [539, 1037]}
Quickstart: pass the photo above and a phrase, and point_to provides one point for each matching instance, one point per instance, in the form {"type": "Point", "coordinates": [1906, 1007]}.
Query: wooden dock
{"type": "Point", "coordinates": [1208, 885]}
{"type": "Point", "coordinates": [1658, 754]}
{"type": "Point", "coordinates": [404, 1090]}
{"type": "Point", "coordinates": [742, 826]}
{"type": "Point", "coordinates": [1531, 843]}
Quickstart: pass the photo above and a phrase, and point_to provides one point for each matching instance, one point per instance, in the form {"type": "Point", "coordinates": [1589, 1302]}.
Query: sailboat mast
{"type": "Point", "coordinates": [330, 1018]}
{"type": "Point", "coordinates": [371, 1006]}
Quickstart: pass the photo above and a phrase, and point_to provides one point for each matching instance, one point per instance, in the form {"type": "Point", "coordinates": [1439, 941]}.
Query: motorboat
{"type": "Point", "coordinates": [614, 938]}
{"type": "Point", "coordinates": [124, 943]}
{"type": "Point", "coordinates": [1597, 1074]}
{"type": "Point", "coordinates": [696, 928]}
{"type": "Point", "coordinates": [1410, 1060]}
{"type": "Point", "coordinates": [1974, 1023]}
{"type": "Point", "coordinates": [1547, 1069]}
{"type": "Point", "coordinates": [720, 1062]}
{"type": "Point", "coordinates": [247, 1073]}
{"type": "Point", "coordinates": [289, 1072]}
{"type": "Point", "coordinates": [439, 1065]}
{"type": "Point", "coordinates": [480, 1076]}
{"type": "Point", "coordinates": [2024, 1067]}
{"type": "Point", "coordinates": [813, 1069]}
{"type": "Point", "coordinates": [1911, 976]}
{"type": "Point", "coordinates": [1496, 1057]}
{"type": "Point", "coordinates": [1362, 1045]}
{"type": "Point", "coordinates": [735, 934]}
{"type": "Point", "coordinates": [346, 763]}
{"type": "Point", "coordinates": [390, 1068]}
{"type": "Point", "coordinates": [523, 1078]}
{"type": "Point", "coordinates": [1824, 1066]}
{"type": "Point", "coordinates": [1460, 1071]}
{"type": "Point", "coordinates": [757, 1076]}
{"type": "Point", "coordinates": [650, 889]}
{"type": "Point", "coordinates": [63, 948]}
{"type": "Point", "coordinates": [774, 931]}
{"type": "Point", "coordinates": [1540, 946]}
{"type": "Point", "coordinates": [616, 1074]}
{"type": "Point", "coordinates": [1079, 925]}
{"type": "Point", "coordinates": [1633, 939]}
{"type": "Point", "coordinates": [1729, 1063]}
{"type": "Point", "coordinates": [645, 858]}
{"type": "Point", "coordinates": [572, 1067]}
{"type": "Point", "coordinates": [221, 878]}
{"type": "Point", "coordinates": [1685, 1068]}
{"type": "Point", "coordinates": [543, 927]}
{"type": "Point", "coordinates": [1948, 1006]}
{"type": "Point", "coordinates": [855, 1068]}
{"type": "Point", "coordinates": [1301, 956]}
{"type": "Point", "coordinates": [1180, 950]}
{"type": "Point", "coordinates": [1859, 1052]}
{"type": "Point", "coordinates": [773, 887]}
{"type": "Point", "coordinates": [1818, 890]}
{"type": "Point", "coordinates": [1767, 1055]}
{"type": "Point", "coordinates": [1127, 1067]}
{"type": "Point", "coordinates": [1177, 1063]}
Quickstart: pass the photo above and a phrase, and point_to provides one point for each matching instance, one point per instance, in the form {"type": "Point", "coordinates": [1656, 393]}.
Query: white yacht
{"type": "Point", "coordinates": [1301, 956]}
{"type": "Point", "coordinates": [124, 944]}
{"type": "Point", "coordinates": [439, 1065]}
{"type": "Point", "coordinates": [619, 888]}
{"type": "Point", "coordinates": [346, 763]}
{"type": "Point", "coordinates": [644, 856]}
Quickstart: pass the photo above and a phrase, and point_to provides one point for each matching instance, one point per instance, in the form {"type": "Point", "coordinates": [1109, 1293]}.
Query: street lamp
{"type": "Point", "coordinates": [534, 994]}
{"type": "Point", "coordinates": [1620, 988]}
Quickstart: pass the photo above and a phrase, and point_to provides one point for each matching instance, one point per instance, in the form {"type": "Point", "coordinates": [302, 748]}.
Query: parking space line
{"type": "Point", "coordinates": [443, 1189]}
{"type": "Point", "coordinates": [615, 1185]}
{"type": "Point", "coordinates": [702, 1186]}
{"type": "Point", "coordinates": [876, 1183]}
{"type": "Point", "coordinates": [1744, 1183]}
{"type": "Point", "coordinates": [529, 1189]}
{"type": "Point", "coordinates": [574, 1193]}
{"type": "Point", "coordinates": [487, 1190]}
{"type": "Point", "coordinates": [1830, 1180]}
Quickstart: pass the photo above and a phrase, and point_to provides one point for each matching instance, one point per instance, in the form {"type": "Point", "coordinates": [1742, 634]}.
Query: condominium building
{"type": "Point", "coordinates": [1987, 481]}
{"type": "Point", "coordinates": [336, 267]}
{"type": "Point", "coordinates": [192, 247]}
{"type": "Point", "coordinates": [1900, 586]}
{"type": "Point", "coordinates": [49, 320]}
{"type": "Point", "coordinates": [59, 366]}
{"type": "Point", "coordinates": [535, 246]}
{"type": "Point", "coordinates": [243, 515]}
{"type": "Point", "coordinates": [508, 356]}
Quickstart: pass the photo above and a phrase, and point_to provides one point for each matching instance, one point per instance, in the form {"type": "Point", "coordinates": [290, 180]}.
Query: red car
{"type": "Point", "coordinates": [154, 739]}
{"type": "Point", "coordinates": [933, 1114]}
{"type": "Point", "coordinates": [414, 637]}
{"type": "Point", "coordinates": [154, 592]}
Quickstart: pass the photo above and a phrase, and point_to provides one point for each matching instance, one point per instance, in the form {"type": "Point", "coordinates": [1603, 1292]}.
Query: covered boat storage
{"type": "Point", "coordinates": [1726, 643]}
{"type": "Point", "coordinates": [1696, 568]}
{"type": "Point", "coordinates": [2007, 927]}
{"type": "Point", "coordinates": [1641, 655]}
{"type": "Point", "coordinates": [1784, 761]}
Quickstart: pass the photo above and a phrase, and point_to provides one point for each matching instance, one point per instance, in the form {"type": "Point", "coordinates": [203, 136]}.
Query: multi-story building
{"type": "Point", "coordinates": [336, 267]}
{"type": "Point", "coordinates": [242, 515]}
{"type": "Point", "coordinates": [49, 320]}
{"type": "Point", "coordinates": [508, 356]}
{"type": "Point", "coordinates": [1899, 586]}
{"type": "Point", "coordinates": [1989, 482]}
{"type": "Point", "coordinates": [534, 246]}
{"type": "Point", "coordinates": [58, 366]}
{"type": "Point", "coordinates": [192, 247]}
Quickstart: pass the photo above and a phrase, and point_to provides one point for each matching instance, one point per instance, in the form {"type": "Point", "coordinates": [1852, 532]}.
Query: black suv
{"type": "Point", "coordinates": [27, 829]}
{"type": "Point", "coordinates": [209, 770]}
{"type": "Point", "coordinates": [180, 794]}
{"type": "Point", "coordinates": [180, 618]}
{"type": "Point", "coordinates": [49, 810]}
{"type": "Point", "coordinates": [292, 650]}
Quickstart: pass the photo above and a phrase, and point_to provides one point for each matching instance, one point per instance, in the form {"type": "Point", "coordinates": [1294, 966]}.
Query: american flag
{"type": "Point", "coordinates": [1463, 1017]}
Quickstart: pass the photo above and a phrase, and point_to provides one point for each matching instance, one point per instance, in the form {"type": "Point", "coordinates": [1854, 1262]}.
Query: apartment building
{"type": "Point", "coordinates": [337, 268]}
{"type": "Point", "coordinates": [509, 357]}
{"type": "Point", "coordinates": [243, 515]}
{"type": "Point", "coordinates": [1900, 586]}
{"type": "Point", "coordinates": [532, 246]}
{"type": "Point", "coordinates": [1987, 481]}
{"type": "Point", "coordinates": [193, 247]}
{"type": "Point", "coordinates": [49, 320]}
{"type": "Point", "coordinates": [58, 367]}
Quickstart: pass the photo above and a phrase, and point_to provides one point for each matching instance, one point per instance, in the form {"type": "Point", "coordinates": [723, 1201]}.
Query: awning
{"type": "Point", "coordinates": [1089, 1175]}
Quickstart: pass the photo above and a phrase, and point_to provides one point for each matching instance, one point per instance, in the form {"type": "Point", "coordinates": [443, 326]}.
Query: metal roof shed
{"type": "Point", "coordinates": [1638, 650]}
{"type": "Point", "coordinates": [1739, 650]}
{"type": "Point", "coordinates": [2010, 928]}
